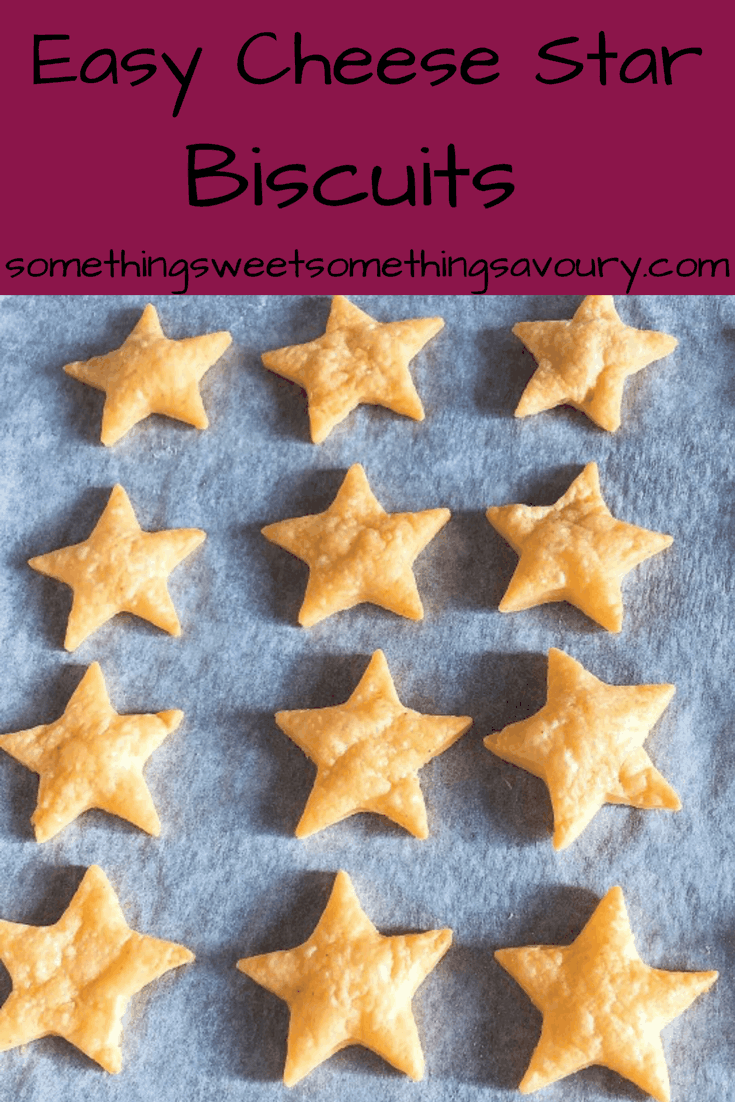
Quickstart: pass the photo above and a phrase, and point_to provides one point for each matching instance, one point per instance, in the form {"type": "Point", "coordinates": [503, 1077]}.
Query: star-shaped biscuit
{"type": "Point", "coordinates": [574, 550]}
{"type": "Point", "coordinates": [585, 362]}
{"type": "Point", "coordinates": [368, 753]}
{"type": "Point", "coordinates": [357, 552]}
{"type": "Point", "coordinates": [120, 568]}
{"type": "Point", "coordinates": [74, 979]}
{"type": "Point", "coordinates": [151, 374]}
{"type": "Point", "coordinates": [601, 1004]}
{"type": "Point", "coordinates": [358, 360]}
{"type": "Point", "coordinates": [349, 985]}
{"type": "Point", "coordinates": [586, 744]}
{"type": "Point", "coordinates": [91, 757]}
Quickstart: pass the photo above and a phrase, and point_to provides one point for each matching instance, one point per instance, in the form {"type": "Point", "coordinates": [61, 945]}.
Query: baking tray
{"type": "Point", "coordinates": [227, 877]}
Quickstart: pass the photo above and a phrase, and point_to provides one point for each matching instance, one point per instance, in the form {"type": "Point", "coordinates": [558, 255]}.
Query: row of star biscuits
{"type": "Point", "coordinates": [348, 984]}
{"type": "Point", "coordinates": [583, 362]}
{"type": "Point", "coordinates": [586, 743]}
{"type": "Point", "coordinates": [142, 560]}
{"type": "Point", "coordinates": [75, 978]}
{"type": "Point", "coordinates": [574, 550]}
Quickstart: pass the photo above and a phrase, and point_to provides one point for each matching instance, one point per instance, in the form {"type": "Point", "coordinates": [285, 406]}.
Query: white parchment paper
{"type": "Point", "coordinates": [227, 878]}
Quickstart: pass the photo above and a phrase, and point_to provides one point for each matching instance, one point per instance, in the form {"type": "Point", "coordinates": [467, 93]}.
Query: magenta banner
{"type": "Point", "coordinates": [400, 147]}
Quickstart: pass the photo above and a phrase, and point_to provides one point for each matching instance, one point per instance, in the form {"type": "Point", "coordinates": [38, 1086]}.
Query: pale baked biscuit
{"type": "Point", "coordinates": [358, 360]}
{"type": "Point", "coordinates": [357, 552]}
{"type": "Point", "coordinates": [574, 551]}
{"type": "Point", "coordinates": [368, 753]}
{"type": "Point", "coordinates": [349, 985]}
{"type": "Point", "coordinates": [601, 1004]}
{"type": "Point", "coordinates": [74, 979]}
{"type": "Point", "coordinates": [586, 744]}
{"type": "Point", "coordinates": [151, 374]}
{"type": "Point", "coordinates": [120, 568]}
{"type": "Point", "coordinates": [584, 362]}
{"type": "Point", "coordinates": [91, 758]}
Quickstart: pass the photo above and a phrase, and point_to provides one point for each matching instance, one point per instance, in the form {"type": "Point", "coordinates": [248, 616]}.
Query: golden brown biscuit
{"type": "Point", "coordinates": [601, 1004]}
{"type": "Point", "coordinates": [574, 551]}
{"type": "Point", "coordinates": [585, 362]}
{"type": "Point", "coordinates": [357, 552]}
{"type": "Point", "coordinates": [92, 757]}
{"type": "Point", "coordinates": [586, 744]}
{"type": "Point", "coordinates": [120, 568]}
{"type": "Point", "coordinates": [151, 374]}
{"type": "Point", "coordinates": [349, 985]}
{"type": "Point", "coordinates": [358, 360]}
{"type": "Point", "coordinates": [74, 979]}
{"type": "Point", "coordinates": [368, 753]}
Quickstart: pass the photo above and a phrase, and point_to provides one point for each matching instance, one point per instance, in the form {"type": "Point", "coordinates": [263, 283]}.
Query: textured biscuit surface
{"type": "Point", "coordinates": [368, 753]}
{"type": "Point", "coordinates": [574, 551]}
{"type": "Point", "coordinates": [74, 979]}
{"type": "Point", "coordinates": [357, 552]}
{"type": "Point", "coordinates": [91, 757]}
{"type": "Point", "coordinates": [349, 985]}
{"type": "Point", "coordinates": [358, 360]}
{"type": "Point", "coordinates": [151, 374]}
{"type": "Point", "coordinates": [585, 362]}
{"type": "Point", "coordinates": [601, 1004]}
{"type": "Point", "coordinates": [586, 743]}
{"type": "Point", "coordinates": [120, 568]}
